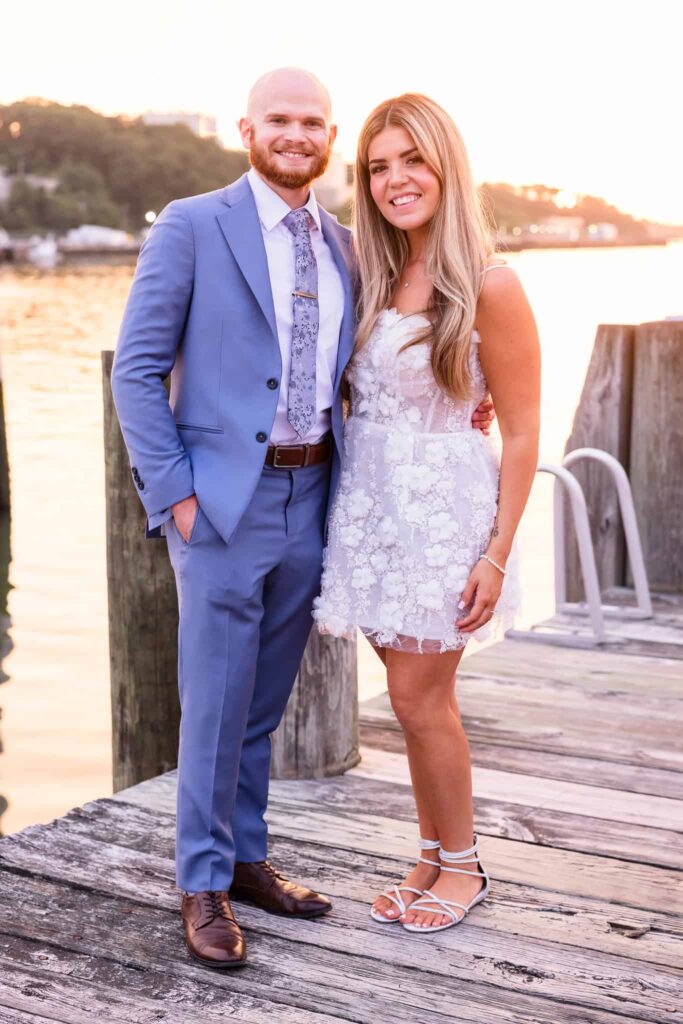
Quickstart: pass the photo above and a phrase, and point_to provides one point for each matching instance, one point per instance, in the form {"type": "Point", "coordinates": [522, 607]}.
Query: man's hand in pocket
{"type": "Point", "coordinates": [184, 515]}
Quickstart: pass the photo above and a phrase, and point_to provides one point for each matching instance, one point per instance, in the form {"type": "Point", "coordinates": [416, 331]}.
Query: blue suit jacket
{"type": "Point", "coordinates": [201, 308]}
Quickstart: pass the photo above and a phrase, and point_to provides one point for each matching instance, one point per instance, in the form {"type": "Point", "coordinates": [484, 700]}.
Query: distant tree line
{"type": "Point", "coordinates": [112, 170]}
{"type": "Point", "coordinates": [109, 170]}
{"type": "Point", "coordinates": [512, 206]}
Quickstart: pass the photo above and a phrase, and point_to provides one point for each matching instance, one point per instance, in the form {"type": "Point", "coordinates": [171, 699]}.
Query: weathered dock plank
{"type": "Point", "coordinates": [141, 921]}
{"type": "Point", "coordinates": [589, 771]}
{"type": "Point", "coordinates": [578, 799]}
{"type": "Point", "coordinates": [511, 695]}
{"type": "Point", "coordinates": [146, 837]}
{"type": "Point", "coordinates": [531, 791]}
{"type": "Point", "coordinates": [77, 988]}
{"type": "Point", "coordinates": [298, 812]}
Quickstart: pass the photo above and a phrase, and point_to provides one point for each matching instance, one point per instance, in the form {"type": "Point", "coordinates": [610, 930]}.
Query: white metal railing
{"type": "Point", "coordinates": [565, 482]}
{"type": "Point", "coordinates": [634, 548]}
{"type": "Point", "coordinates": [567, 485]}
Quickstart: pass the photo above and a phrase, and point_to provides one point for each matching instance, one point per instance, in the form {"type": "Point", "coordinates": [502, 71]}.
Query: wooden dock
{"type": "Point", "coordinates": [578, 797]}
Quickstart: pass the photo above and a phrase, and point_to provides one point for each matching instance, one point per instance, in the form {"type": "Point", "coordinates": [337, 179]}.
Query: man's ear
{"type": "Point", "coordinates": [244, 127]}
{"type": "Point", "coordinates": [333, 134]}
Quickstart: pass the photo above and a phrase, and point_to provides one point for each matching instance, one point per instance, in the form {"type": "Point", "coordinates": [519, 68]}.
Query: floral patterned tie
{"type": "Point", "coordinates": [301, 398]}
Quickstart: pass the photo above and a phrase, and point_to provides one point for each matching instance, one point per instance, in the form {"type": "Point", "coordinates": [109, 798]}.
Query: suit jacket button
{"type": "Point", "coordinates": [272, 383]}
{"type": "Point", "coordinates": [261, 437]}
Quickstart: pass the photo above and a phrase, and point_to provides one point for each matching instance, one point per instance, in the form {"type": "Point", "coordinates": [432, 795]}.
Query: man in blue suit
{"type": "Point", "coordinates": [251, 311]}
{"type": "Point", "coordinates": [244, 295]}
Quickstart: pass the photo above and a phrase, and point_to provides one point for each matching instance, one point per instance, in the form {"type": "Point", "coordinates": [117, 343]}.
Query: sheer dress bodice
{"type": "Point", "coordinates": [392, 388]}
{"type": "Point", "coordinates": [416, 500]}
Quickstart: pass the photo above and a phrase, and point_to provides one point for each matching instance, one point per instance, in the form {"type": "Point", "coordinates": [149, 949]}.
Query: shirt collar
{"type": "Point", "coordinates": [271, 207]}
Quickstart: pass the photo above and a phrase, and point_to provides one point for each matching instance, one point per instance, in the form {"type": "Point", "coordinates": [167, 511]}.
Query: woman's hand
{"type": "Point", "coordinates": [482, 592]}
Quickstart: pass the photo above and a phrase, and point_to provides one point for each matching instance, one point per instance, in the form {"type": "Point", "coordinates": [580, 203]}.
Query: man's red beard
{"type": "Point", "coordinates": [264, 163]}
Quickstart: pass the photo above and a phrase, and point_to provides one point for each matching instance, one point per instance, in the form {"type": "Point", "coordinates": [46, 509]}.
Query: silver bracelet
{"type": "Point", "coordinates": [495, 564]}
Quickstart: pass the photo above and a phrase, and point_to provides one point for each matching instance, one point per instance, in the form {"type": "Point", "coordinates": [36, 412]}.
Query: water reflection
{"type": "Point", "coordinates": [53, 326]}
{"type": "Point", "coordinates": [5, 638]}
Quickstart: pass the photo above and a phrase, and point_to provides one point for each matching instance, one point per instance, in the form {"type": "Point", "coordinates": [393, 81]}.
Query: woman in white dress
{"type": "Point", "coordinates": [420, 552]}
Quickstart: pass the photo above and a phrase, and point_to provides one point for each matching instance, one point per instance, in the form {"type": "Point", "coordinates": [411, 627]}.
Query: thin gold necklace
{"type": "Point", "coordinates": [415, 263]}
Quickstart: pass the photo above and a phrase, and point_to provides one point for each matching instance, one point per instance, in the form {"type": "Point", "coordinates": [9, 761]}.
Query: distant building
{"type": "Point", "coordinates": [34, 180]}
{"type": "Point", "coordinates": [604, 231]}
{"type": "Point", "coordinates": [200, 124]}
{"type": "Point", "coordinates": [335, 187]}
{"type": "Point", "coordinates": [567, 228]}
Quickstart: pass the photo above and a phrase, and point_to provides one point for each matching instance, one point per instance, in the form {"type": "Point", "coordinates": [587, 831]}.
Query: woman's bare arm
{"type": "Point", "coordinates": [510, 357]}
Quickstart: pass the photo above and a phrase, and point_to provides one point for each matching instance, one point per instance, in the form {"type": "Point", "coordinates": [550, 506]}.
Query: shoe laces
{"type": "Point", "coordinates": [268, 867]}
{"type": "Point", "coordinates": [218, 904]}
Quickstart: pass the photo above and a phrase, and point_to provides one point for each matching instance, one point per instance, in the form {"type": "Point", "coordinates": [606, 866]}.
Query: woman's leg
{"type": "Point", "coordinates": [422, 876]}
{"type": "Point", "coordinates": [421, 688]}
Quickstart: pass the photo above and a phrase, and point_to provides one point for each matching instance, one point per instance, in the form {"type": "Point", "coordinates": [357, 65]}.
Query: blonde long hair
{"type": "Point", "coordinates": [458, 245]}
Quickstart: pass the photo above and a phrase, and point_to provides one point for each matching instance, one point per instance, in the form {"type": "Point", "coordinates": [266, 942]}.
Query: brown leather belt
{"type": "Point", "coordinates": [295, 456]}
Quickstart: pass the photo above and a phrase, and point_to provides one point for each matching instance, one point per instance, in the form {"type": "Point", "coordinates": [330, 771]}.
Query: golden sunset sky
{"type": "Point", "coordinates": [583, 96]}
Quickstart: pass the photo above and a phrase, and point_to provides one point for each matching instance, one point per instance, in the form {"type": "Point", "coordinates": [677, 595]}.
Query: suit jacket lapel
{"type": "Point", "coordinates": [242, 229]}
{"type": "Point", "coordinates": [343, 257]}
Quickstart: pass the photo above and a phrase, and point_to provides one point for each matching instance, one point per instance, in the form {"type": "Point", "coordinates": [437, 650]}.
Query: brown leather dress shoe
{"type": "Point", "coordinates": [260, 883]}
{"type": "Point", "coordinates": [212, 934]}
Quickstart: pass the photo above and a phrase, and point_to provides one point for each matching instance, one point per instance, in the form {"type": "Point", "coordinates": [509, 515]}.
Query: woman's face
{"type": "Point", "coordinates": [405, 188]}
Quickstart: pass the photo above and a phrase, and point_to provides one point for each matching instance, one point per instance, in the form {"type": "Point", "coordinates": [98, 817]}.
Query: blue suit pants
{"type": "Point", "coordinates": [245, 617]}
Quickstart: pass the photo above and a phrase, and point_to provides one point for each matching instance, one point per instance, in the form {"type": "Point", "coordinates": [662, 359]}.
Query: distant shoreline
{"type": "Point", "coordinates": [549, 243]}
{"type": "Point", "coordinates": [126, 254]}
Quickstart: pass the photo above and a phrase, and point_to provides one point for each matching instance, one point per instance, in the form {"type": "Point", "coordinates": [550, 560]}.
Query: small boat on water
{"type": "Point", "coordinates": [43, 252]}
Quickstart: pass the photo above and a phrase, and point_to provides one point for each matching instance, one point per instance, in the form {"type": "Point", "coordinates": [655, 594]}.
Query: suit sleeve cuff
{"type": "Point", "coordinates": [158, 518]}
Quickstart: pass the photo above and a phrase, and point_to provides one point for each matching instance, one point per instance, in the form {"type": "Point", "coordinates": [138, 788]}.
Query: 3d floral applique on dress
{"type": "Point", "coordinates": [416, 501]}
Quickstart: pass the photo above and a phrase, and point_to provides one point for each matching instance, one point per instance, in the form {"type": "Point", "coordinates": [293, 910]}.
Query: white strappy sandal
{"type": "Point", "coordinates": [435, 904]}
{"type": "Point", "coordinates": [393, 893]}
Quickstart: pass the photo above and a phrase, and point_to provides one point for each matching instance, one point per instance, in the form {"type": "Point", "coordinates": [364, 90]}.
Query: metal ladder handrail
{"type": "Point", "coordinates": [564, 479]}
{"type": "Point", "coordinates": [634, 548]}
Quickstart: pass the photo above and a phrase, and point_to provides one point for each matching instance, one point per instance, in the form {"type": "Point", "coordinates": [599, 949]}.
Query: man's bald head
{"type": "Point", "coordinates": [292, 84]}
{"type": "Point", "coordinates": [288, 129]}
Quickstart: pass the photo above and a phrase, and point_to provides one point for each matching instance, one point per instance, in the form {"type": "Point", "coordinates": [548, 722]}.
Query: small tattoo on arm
{"type": "Point", "coordinates": [495, 529]}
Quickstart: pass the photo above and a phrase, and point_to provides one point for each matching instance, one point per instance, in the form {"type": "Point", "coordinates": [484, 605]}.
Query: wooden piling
{"type": "Point", "coordinates": [143, 622]}
{"type": "Point", "coordinates": [603, 420]}
{"type": "Point", "coordinates": [632, 407]}
{"type": "Point", "coordinates": [656, 462]}
{"type": "Point", "coordinates": [4, 459]}
{"type": "Point", "coordinates": [318, 735]}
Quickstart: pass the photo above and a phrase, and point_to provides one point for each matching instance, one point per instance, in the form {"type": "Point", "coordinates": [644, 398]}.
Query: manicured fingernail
{"type": "Point", "coordinates": [461, 605]}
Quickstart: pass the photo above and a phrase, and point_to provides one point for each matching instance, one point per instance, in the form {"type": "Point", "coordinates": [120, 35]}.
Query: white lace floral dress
{"type": "Point", "coordinates": [416, 501]}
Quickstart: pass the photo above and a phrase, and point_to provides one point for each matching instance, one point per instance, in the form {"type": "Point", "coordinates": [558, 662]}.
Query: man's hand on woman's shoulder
{"type": "Point", "coordinates": [484, 415]}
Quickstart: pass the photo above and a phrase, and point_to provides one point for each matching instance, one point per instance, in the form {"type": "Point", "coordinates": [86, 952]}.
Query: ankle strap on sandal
{"type": "Point", "coordinates": [429, 844]}
{"type": "Point", "coordinates": [470, 856]}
